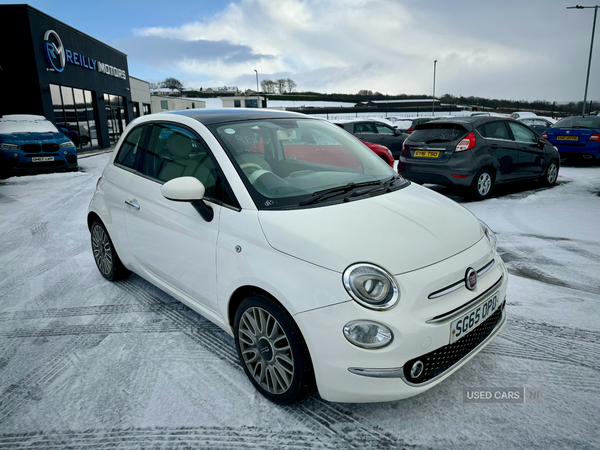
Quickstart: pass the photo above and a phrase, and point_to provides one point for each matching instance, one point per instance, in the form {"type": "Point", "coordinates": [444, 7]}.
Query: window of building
{"type": "Point", "coordinates": [146, 108]}
{"type": "Point", "coordinates": [251, 103]}
{"type": "Point", "coordinates": [74, 115]}
{"type": "Point", "coordinates": [237, 103]}
{"type": "Point", "coordinates": [115, 116]}
{"type": "Point", "coordinates": [164, 104]}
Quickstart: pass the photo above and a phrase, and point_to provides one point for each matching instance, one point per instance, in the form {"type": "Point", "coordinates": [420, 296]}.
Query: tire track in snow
{"type": "Point", "coordinates": [73, 330]}
{"type": "Point", "coordinates": [167, 438]}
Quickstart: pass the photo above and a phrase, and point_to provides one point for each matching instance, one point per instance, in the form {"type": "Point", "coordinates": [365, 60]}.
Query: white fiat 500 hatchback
{"type": "Point", "coordinates": [330, 271]}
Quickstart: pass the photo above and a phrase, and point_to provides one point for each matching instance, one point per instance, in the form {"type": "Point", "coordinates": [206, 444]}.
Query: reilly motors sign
{"type": "Point", "coordinates": [57, 56]}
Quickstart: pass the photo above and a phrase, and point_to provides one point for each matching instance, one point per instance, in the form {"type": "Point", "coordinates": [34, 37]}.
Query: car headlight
{"type": "Point", "coordinates": [67, 144]}
{"type": "Point", "coordinates": [371, 286]}
{"type": "Point", "coordinates": [367, 334]}
{"type": "Point", "coordinates": [5, 146]}
{"type": "Point", "coordinates": [489, 235]}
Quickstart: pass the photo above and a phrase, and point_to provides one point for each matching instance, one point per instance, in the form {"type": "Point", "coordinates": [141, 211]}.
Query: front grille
{"type": "Point", "coordinates": [31, 148]}
{"type": "Point", "coordinates": [50, 147]}
{"type": "Point", "coordinates": [442, 359]}
{"type": "Point", "coordinates": [42, 164]}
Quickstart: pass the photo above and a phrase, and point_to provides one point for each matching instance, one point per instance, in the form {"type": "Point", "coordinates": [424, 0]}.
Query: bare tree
{"type": "Point", "coordinates": [291, 84]}
{"type": "Point", "coordinates": [281, 85]}
{"type": "Point", "coordinates": [154, 85]}
{"type": "Point", "coordinates": [172, 83]}
{"type": "Point", "coordinates": [268, 86]}
{"type": "Point", "coordinates": [365, 92]}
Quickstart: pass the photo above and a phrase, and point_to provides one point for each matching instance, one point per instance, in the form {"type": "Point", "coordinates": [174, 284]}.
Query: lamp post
{"type": "Point", "coordinates": [256, 81]}
{"type": "Point", "coordinates": [587, 79]}
{"type": "Point", "coordinates": [433, 101]}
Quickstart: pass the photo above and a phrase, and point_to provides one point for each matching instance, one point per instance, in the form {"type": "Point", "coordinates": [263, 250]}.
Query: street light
{"type": "Point", "coordinates": [433, 101]}
{"type": "Point", "coordinates": [587, 80]}
{"type": "Point", "coordinates": [256, 81]}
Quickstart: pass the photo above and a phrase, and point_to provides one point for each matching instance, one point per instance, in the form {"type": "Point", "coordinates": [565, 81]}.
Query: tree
{"type": "Point", "coordinates": [154, 85]}
{"type": "Point", "coordinates": [268, 86]}
{"type": "Point", "coordinates": [365, 92]}
{"type": "Point", "coordinates": [172, 83]}
{"type": "Point", "coordinates": [290, 84]}
{"type": "Point", "coordinates": [281, 83]}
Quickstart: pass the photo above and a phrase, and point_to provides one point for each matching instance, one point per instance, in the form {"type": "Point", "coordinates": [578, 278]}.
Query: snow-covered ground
{"type": "Point", "coordinates": [85, 363]}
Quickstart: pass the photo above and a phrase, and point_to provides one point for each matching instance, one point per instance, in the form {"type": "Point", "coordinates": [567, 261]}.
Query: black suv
{"type": "Point", "coordinates": [477, 152]}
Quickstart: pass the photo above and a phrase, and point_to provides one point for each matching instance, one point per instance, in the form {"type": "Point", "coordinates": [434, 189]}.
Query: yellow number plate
{"type": "Point", "coordinates": [426, 153]}
{"type": "Point", "coordinates": [566, 138]}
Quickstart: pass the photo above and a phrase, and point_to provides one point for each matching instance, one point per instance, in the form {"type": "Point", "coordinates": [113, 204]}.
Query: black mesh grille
{"type": "Point", "coordinates": [31, 148]}
{"type": "Point", "coordinates": [50, 147]}
{"type": "Point", "coordinates": [442, 359]}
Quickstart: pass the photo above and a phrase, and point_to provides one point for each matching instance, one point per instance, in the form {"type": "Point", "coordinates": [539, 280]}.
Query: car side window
{"type": "Point", "coordinates": [364, 127]}
{"type": "Point", "coordinates": [131, 147]}
{"type": "Point", "coordinates": [522, 134]}
{"type": "Point", "coordinates": [384, 129]}
{"type": "Point", "coordinates": [494, 130]}
{"type": "Point", "coordinates": [174, 152]}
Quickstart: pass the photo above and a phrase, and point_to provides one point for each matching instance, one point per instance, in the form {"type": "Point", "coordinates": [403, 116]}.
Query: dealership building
{"type": "Point", "coordinates": [81, 84]}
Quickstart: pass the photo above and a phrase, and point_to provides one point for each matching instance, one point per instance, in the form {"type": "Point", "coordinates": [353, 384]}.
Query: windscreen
{"type": "Point", "coordinates": [431, 133]}
{"type": "Point", "coordinates": [289, 162]}
{"type": "Point", "coordinates": [578, 122]}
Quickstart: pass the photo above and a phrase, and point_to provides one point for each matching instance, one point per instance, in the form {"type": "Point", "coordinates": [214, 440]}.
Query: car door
{"type": "Point", "coordinates": [531, 156]}
{"type": "Point", "coordinates": [502, 147]}
{"type": "Point", "coordinates": [366, 131]}
{"type": "Point", "coordinates": [170, 240]}
{"type": "Point", "coordinates": [390, 138]}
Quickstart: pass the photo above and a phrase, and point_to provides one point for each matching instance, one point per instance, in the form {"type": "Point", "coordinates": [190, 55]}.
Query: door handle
{"type": "Point", "coordinates": [494, 146]}
{"type": "Point", "coordinates": [130, 203]}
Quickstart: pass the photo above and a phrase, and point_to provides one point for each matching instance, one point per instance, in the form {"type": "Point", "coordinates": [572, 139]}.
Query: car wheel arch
{"type": "Point", "coordinates": [243, 292]}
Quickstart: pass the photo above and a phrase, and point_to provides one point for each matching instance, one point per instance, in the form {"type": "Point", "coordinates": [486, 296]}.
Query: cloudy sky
{"type": "Point", "coordinates": [518, 50]}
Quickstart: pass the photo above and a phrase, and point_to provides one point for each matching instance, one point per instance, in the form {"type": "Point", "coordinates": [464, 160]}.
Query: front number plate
{"type": "Point", "coordinates": [426, 153]}
{"type": "Point", "coordinates": [471, 319]}
{"type": "Point", "coordinates": [42, 158]}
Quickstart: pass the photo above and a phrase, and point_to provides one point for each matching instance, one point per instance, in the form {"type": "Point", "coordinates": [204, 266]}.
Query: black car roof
{"type": "Point", "coordinates": [475, 120]}
{"type": "Point", "coordinates": [213, 116]}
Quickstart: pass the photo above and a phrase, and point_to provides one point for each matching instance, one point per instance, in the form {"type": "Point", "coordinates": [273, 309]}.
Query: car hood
{"type": "Point", "coordinates": [400, 231]}
{"type": "Point", "coordinates": [32, 138]}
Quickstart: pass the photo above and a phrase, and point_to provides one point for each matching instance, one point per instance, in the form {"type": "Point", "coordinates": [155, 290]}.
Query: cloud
{"type": "Point", "coordinates": [382, 45]}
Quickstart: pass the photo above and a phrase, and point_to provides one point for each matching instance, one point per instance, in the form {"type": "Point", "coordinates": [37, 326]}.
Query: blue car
{"type": "Point", "coordinates": [576, 136]}
{"type": "Point", "coordinates": [32, 143]}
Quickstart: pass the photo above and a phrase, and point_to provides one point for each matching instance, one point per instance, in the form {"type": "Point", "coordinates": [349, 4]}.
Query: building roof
{"type": "Point", "coordinates": [214, 116]}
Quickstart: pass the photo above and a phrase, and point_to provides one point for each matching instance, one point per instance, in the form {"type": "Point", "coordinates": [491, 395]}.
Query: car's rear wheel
{"type": "Point", "coordinates": [550, 174]}
{"type": "Point", "coordinates": [105, 255]}
{"type": "Point", "coordinates": [482, 184]}
{"type": "Point", "coordinates": [272, 351]}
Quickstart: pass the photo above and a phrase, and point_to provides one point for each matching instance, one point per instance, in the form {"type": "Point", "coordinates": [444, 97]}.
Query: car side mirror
{"type": "Point", "coordinates": [397, 132]}
{"type": "Point", "coordinates": [541, 143]}
{"type": "Point", "coordinates": [188, 189]}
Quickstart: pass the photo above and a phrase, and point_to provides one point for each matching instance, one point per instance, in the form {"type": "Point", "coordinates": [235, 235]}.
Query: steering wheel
{"type": "Point", "coordinates": [251, 166]}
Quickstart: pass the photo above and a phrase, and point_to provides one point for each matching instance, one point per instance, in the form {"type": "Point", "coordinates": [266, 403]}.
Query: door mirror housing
{"type": "Point", "coordinates": [541, 143]}
{"type": "Point", "coordinates": [183, 189]}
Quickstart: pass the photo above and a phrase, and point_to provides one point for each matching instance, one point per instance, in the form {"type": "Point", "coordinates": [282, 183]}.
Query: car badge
{"type": "Point", "coordinates": [568, 132]}
{"type": "Point", "coordinates": [471, 279]}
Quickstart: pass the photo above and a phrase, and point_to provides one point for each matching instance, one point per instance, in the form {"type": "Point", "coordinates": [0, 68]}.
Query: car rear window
{"type": "Point", "coordinates": [578, 122]}
{"type": "Point", "coordinates": [438, 132]}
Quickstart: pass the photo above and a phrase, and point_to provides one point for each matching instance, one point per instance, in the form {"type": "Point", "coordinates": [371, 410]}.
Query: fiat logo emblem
{"type": "Point", "coordinates": [471, 279]}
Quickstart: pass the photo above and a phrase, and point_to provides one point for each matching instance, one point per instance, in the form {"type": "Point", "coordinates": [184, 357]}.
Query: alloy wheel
{"type": "Point", "coordinates": [552, 173]}
{"type": "Point", "coordinates": [484, 184]}
{"type": "Point", "coordinates": [102, 250]}
{"type": "Point", "coordinates": [266, 350]}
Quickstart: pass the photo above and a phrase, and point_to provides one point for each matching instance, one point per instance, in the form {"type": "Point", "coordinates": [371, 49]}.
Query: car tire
{"type": "Point", "coordinates": [105, 255]}
{"type": "Point", "coordinates": [550, 174]}
{"type": "Point", "coordinates": [85, 140]}
{"type": "Point", "coordinates": [272, 351]}
{"type": "Point", "coordinates": [483, 184]}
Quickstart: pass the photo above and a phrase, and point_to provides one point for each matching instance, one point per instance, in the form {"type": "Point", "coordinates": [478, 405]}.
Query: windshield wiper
{"type": "Point", "coordinates": [379, 186]}
{"type": "Point", "coordinates": [319, 195]}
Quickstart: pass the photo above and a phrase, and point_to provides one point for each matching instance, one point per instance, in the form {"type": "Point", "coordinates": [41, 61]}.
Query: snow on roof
{"type": "Point", "coordinates": [23, 123]}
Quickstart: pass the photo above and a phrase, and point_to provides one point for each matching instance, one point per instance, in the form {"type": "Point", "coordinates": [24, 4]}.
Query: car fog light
{"type": "Point", "coordinates": [65, 152]}
{"type": "Point", "coordinates": [417, 369]}
{"type": "Point", "coordinates": [16, 155]}
{"type": "Point", "coordinates": [368, 334]}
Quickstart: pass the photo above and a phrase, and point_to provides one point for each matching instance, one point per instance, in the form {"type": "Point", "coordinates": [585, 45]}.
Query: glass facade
{"type": "Point", "coordinates": [74, 115]}
{"type": "Point", "coordinates": [115, 116]}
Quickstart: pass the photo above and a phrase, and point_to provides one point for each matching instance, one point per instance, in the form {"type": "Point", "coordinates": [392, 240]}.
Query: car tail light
{"type": "Point", "coordinates": [595, 137]}
{"type": "Point", "coordinates": [466, 143]}
{"type": "Point", "coordinates": [545, 136]}
{"type": "Point", "coordinates": [410, 130]}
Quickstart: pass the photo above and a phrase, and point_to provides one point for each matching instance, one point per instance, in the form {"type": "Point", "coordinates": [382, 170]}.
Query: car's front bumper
{"type": "Point", "coordinates": [19, 162]}
{"type": "Point", "coordinates": [347, 373]}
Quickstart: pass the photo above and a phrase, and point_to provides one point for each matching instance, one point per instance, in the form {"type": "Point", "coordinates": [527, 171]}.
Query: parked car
{"type": "Point", "coordinates": [71, 134]}
{"type": "Point", "coordinates": [577, 136]}
{"type": "Point", "coordinates": [521, 114]}
{"type": "Point", "coordinates": [477, 152]}
{"type": "Point", "coordinates": [33, 143]}
{"type": "Point", "coordinates": [269, 223]}
{"type": "Point", "coordinates": [382, 151]}
{"type": "Point", "coordinates": [538, 124]}
{"type": "Point", "coordinates": [418, 121]}
{"type": "Point", "coordinates": [375, 131]}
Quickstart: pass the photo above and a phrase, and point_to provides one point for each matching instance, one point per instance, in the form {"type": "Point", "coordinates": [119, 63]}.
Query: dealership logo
{"type": "Point", "coordinates": [57, 55]}
{"type": "Point", "coordinates": [55, 51]}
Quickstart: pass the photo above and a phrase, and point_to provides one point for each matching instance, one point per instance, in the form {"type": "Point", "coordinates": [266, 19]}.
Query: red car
{"type": "Point", "coordinates": [382, 151]}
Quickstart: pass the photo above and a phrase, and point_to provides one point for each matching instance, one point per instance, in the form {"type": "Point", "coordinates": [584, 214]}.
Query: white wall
{"type": "Point", "coordinates": [140, 92]}
{"type": "Point", "coordinates": [175, 103]}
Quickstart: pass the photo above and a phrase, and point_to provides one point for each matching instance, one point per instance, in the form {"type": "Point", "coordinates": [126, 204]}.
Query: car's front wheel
{"type": "Point", "coordinates": [107, 260]}
{"type": "Point", "coordinates": [482, 184]}
{"type": "Point", "coordinates": [550, 174]}
{"type": "Point", "coordinates": [272, 351]}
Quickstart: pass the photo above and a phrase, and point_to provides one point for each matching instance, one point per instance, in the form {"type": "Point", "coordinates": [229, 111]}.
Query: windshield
{"type": "Point", "coordinates": [432, 133]}
{"type": "Point", "coordinates": [299, 162]}
{"type": "Point", "coordinates": [578, 122]}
